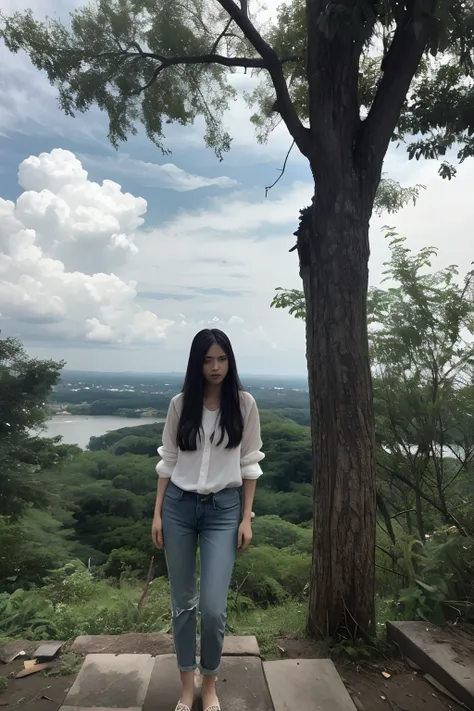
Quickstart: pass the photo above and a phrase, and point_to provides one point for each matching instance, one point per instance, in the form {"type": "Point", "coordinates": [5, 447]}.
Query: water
{"type": "Point", "coordinates": [78, 429]}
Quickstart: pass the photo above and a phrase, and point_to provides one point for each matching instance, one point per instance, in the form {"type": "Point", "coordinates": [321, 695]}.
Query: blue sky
{"type": "Point", "coordinates": [119, 275]}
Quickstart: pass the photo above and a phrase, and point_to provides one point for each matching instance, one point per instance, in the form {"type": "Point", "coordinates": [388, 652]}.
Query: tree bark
{"type": "Point", "coordinates": [333, 247]}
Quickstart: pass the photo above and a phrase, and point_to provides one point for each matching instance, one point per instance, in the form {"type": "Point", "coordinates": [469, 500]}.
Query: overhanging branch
{"type": "Point", "coordinates": [273, 65]}
{"type": "Point", "coordinates": [399, 68]}
{"type": "Point", "coordinates": [246, 62]}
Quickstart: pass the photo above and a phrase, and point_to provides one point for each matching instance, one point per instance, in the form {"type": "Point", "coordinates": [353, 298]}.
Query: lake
{"type": "Point", "coordinates": [78, 429]}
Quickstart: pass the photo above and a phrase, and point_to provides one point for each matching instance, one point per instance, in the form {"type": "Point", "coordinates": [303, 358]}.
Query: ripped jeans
{"type": "Point", "coordinates": [214, 520]}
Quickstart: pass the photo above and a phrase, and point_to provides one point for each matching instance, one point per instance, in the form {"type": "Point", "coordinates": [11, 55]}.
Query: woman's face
{"type": "Point", "coordinates": [215, 366]}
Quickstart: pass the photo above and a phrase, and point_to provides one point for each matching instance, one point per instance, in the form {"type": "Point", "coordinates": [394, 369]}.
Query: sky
{"type": "Point", "coordinates": [113, 260]}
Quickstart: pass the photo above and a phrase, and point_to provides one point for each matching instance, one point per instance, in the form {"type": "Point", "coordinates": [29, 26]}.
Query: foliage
{"type": "Point", "coordinates": [26, 614]}
{"type": "Point", "coordinates": [422, 352]}
{"type": "Point", "coordinates": [269, 576]}
{"type": "Point", "coordinates": [275, 531]}
{"type": "Point", "coordinates": [69, 665]}
{"type": "Point", "coordinates": [158, 65]}
{"type": "Point", "coordinates": [441, 586]}
{"type": "Point", "coordinates": [423, 356]}
{"type": "Point", "coordinates": [269, 624]}
{"type": "Point", "coordinates": [25, 383]}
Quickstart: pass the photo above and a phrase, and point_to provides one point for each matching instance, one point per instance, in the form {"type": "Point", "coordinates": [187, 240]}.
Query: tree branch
{"type": "Point", "coordinates": [282, 170]}
{"type": "Point", "coordinates": [399, 68]}
{"type": "Point", "coordinates": [382, 507]}
{"type": "Point", "coordinates": [429, 500]}
{"type": "Point", "coordinates": [273, 65]}
{"type": "Point", "coordinates": [165, 62]}
{"type": "Point", "coordinates": [222, 34]}
{"type": "Point", "coordinates": [246, 62]}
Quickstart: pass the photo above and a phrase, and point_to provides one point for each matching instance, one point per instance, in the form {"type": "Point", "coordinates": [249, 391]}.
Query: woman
{"type": "Point", "coordinates": [211, 448]}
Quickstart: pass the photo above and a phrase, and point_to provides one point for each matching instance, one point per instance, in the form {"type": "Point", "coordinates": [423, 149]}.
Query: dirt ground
{"type": "Point", "coordinates": [404, 690]}
{"type": "Point", "coordinates": [37, 692]}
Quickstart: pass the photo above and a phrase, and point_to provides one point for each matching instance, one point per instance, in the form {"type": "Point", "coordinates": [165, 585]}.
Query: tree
{"type": "Point", "coordinates": [338, 74]}
{"type": "Point", "coordinates": [25, 384]}
{"type": "Point", "coordinates": [422, 351]}
{"type": "Point", "coordinates": [422, 354]}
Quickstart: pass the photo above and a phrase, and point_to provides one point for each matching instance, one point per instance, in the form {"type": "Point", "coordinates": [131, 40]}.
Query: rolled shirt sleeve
{"type": "Point", "coordinates": [251, 453]}
{"type": "Point", "coordinates": [169, 449]}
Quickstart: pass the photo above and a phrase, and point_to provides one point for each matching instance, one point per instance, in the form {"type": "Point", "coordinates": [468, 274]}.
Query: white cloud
{"type": "Point", "coordinates": [62, 213]}
{"type": "Point", "coordinates": [242, 213]}
{"type": "Point", "coordinates": [86, 225]}
{"type": "Point", "coordinates": [166, 175]}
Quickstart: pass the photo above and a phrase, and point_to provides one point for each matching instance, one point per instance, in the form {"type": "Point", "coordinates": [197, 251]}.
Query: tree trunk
{"type": "Point", "coordinates": [333, 247]}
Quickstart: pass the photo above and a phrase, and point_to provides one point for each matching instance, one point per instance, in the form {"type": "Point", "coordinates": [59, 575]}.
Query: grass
{"type": "Point", "coordinates": [69, 665]}
{"type": "Point", "coordinates": [269, 624]}
{"type": "Point", "coordinates": [81, 605]}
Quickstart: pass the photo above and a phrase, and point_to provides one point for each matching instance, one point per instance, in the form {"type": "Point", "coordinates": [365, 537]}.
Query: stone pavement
{"type": "Point", "coordinates": [446, 655]}
{"type": "Point", "coordinates": [141, 682]}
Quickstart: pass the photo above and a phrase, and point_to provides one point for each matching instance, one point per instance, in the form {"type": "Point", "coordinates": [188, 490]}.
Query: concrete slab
{"type": "Point", "coordinates": [241, 685]}
{"type": "Point", "coordinates": [164, 687]}
{"type": "Point", "coordinates": [154, 643]}
{"type": "Point", "coordinates": [97, 708]}
{"type": "Point", "coordinates": [18, 648]}
{"type": "Point", "coordinates": [133, 643]}
{"type": "Point", "coordinates": [439, 654]}
{"type": "Point", "coordinates": [47, 651]}
{"type": "Point", "coordinates": [235, 646]}
{"type": "Point", "coordinates": [110, 681]}
{"type": "Point", "coordinates": [306, 685]}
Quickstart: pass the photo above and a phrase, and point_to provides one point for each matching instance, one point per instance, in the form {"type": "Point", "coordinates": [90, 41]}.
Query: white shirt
{"type": "Point", "coordinates": [211, 467]}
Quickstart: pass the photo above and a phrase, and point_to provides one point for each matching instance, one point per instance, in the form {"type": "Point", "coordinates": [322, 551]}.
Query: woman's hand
{"type": "Point", "coordinates": [157, 532]}
{"type": "Point", "coordinates": [245, 536]}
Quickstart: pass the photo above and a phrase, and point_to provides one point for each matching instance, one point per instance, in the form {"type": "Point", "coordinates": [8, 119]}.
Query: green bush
{"type": "Point", "coordinates": [274, 531]}
{"type": "Point", "coordinates": [268, 575]}
{"type": "Point", "coordinates": [70, 584]}
{"type": "Point", "coordinates": [122, 560]}
{"type": "Point", "coordinates": [440, 578]}
{"type": "Point", "coordinates": [27, 614]}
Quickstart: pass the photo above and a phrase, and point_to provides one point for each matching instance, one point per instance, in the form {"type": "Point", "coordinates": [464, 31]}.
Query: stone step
{"type": "Point", "coordinates": [109, 681]}
{"type": "Point", "coordinates": [448, 658]}
{"type": "Point", "coordinates": [154, 643]}
{"type": "Point", "coordinates": [140, 681]}
{"type": "Point", "coordinates": [306, 685]}
{"type": "Point", "coordinates": [241, 685]}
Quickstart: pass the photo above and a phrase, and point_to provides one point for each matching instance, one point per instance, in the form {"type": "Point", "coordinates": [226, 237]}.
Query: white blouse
{"type": "Point", "coordinates": [211, 467]}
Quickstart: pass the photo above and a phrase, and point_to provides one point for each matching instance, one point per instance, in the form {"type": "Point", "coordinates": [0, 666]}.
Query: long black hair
{"type": "Point", "coordinates": [231, 420]}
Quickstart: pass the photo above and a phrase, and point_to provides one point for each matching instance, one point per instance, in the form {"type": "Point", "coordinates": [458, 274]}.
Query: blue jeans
{"type": "Point", "coordinates": [214, 520]}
